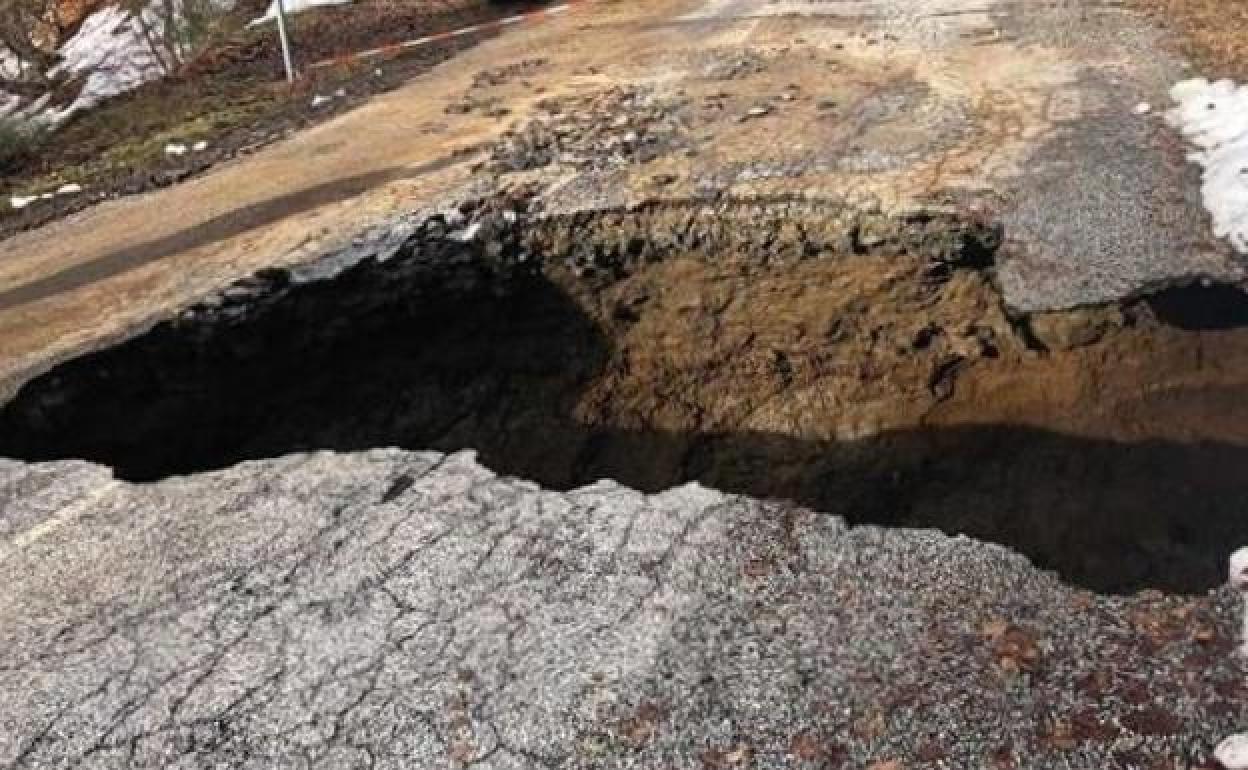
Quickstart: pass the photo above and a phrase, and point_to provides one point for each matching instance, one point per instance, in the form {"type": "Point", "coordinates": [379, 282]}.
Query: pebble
{"type": "Point", "coordinates": [22, 201]}
{"type": "Point", "coordinates": [69, 189]}
{"type": "Point", "coordinates": [200, 146]}
{"type": "Point", "coordinates": [1233, 752]}
{"type": "Point", "coordinates": [1143, 108]}
{"type": "Point", "coordinates": [175, 149]}
{"type": "Point", "coordinates": [754, 112]}
{"type": "Point", "coordinates": [622, 126]}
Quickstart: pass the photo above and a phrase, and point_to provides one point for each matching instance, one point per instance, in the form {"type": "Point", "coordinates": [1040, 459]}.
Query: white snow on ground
{"type": "Point", "coordinates": [111, 51]}
{"type": "Point", "coordinates": [1232, 753]}
{"type": "Point", "coordinates": [10, 67]}
{"type": "Point", "coordinates": [1237, 575]}
{"type": "Point", "coordinates": [1214, 117]}
{"type": "Point", "coordinates": [295, 6]}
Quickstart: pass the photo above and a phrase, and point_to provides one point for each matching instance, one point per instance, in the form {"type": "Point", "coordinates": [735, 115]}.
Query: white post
{"type": "Point", "coordinates": [285, 38]}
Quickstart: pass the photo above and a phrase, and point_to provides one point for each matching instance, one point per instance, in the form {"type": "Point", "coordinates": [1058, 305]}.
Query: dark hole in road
{"type": "Point", "coordinates": [755, 362]}
{"type": "Point", "coordinates": [1202, 307]}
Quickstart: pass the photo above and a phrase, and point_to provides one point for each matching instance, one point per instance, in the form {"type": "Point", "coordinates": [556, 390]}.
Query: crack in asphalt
{"type": "Point", "coordinates": [390, 609]}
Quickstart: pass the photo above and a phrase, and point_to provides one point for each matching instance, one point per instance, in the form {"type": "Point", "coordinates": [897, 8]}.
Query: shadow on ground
{"type": "Point", "coordinates": [506, 375]}
{"type": "Point", "coordinates": [234, 222]}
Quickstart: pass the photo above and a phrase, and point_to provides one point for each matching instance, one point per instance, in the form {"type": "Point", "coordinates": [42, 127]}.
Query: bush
{"type": "Point", "coordinates": [19, 141]}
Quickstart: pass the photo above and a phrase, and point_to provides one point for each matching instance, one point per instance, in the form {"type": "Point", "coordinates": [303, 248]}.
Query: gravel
{"type": "Point", "coordinates": [619, 127]}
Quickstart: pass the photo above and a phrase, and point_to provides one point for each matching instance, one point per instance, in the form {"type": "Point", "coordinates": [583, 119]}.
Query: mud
{"type": "Point", "coordinates": [860, 364]}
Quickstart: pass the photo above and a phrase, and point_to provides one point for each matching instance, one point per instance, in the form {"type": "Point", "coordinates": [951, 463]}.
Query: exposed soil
{"type": "Point", "coordinates": [1214, 33]}
{"type": "Point", "coordinates": [235, 98]}
{"type": "Point", "coordinates": [860, 364]}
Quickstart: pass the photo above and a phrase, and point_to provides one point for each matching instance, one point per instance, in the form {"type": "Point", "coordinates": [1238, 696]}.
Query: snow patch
{"type": "Point", "coordinates": [19, 202]}
{"type": "Point", "coordinates": [1214, 117]}
{"type": "Point", "coordinates": [1237, 576]}
{"type": "Point", "coordinates": [111, 52]}
{"type": "Point", "coordinates": [1233, 752]}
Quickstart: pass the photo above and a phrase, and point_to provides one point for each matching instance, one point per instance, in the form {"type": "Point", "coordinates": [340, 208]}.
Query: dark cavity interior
{"type": "Point", "coordinates": [859, 365]}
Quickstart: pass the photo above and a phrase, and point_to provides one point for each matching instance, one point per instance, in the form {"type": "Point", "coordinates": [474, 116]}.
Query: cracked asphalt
{"type": "Point", "coordinates": [398, 609]}
{"type": "Point", "coordinates": [395, 609]}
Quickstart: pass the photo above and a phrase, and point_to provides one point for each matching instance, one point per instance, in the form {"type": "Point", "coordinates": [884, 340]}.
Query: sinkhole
{"type": "Point", "coordinates": [859, 364]}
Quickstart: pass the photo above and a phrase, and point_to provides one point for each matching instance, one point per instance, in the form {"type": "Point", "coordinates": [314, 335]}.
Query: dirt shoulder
{"type": "Point", "coordinates": [118, 265]}
{"type": "Point", "coordinates": [233, 98]}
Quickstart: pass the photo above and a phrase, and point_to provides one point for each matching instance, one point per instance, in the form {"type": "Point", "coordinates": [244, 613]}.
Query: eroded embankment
{"type": "Point", "coordinates": [860, 364]}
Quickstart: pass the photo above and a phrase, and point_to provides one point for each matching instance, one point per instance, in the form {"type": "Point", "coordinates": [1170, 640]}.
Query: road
{"type": "Point", "coordinates": [389, 609]}
{"type": "Point", "coordinates": [1020, 112]}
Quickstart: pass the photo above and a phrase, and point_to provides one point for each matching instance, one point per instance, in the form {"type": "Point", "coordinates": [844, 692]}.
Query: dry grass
{"type": "Point", "coordinates": [1214, 32]}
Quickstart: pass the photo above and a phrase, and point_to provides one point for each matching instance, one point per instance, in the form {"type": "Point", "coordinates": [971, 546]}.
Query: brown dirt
{"type": "Point", "coordinates": [862, 377]}
{"type": "Point", "coordinates": [859, 387]}
{"type": "Point", "coordinates": [821, 349]}
{"type": "Point", "coordinates": [1215, 32]}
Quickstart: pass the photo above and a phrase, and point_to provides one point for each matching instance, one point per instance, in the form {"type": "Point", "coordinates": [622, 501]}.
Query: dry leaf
{"type": "Point", "coordinates": [930, 751]}
{"type": "Point", "coordinates": [757, 568]}
{"type": "Point", "coordinates": [1016, 650]}
{"type": "Point", "coordinates": [642, 726]}
{"type": "Point", "coordinates": [715, 759]}
{"type": "Point", "coordinates": [1002, 758]}
{"type": "Point", "coordinates": [462, 751]}
{"type": "Point", "coordinates": [995, 628]}
{"type": "Point", "coordinates": [806, 746]}
{"type": "Point", "coordinates": [739, 755]}
{"type": "Point", "coordinates": [1061, 737]}
{"type": "Point", "coordinates": [870, 727]}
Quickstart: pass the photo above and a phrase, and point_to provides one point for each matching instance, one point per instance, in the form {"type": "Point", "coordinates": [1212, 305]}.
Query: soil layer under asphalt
{"type": "Point", "coordinates": [861, 364]}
